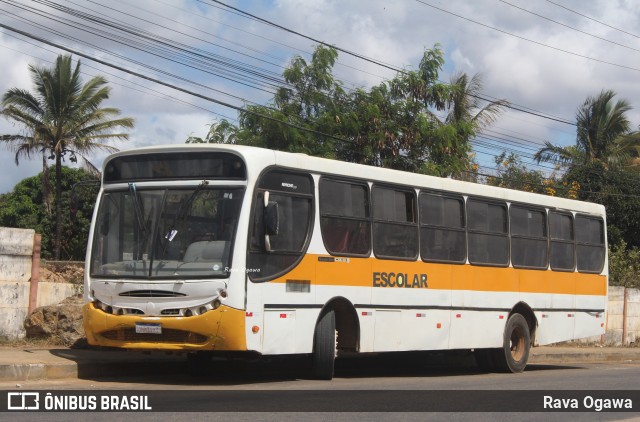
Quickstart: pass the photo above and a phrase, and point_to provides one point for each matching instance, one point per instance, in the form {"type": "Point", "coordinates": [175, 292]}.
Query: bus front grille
{"type": "Point", "coordinates": [168, 336]}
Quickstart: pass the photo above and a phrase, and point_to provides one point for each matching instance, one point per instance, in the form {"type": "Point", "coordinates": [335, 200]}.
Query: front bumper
{"type": "Point", "coordinates": [219, 329]}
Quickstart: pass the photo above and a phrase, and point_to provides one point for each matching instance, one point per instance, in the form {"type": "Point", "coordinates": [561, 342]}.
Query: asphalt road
{"type": "Point", "coordinates": [362, 390]}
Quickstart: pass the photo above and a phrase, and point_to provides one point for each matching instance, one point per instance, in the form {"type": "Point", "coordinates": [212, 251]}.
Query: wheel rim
{"type": "Point", "coordinates": [517, 344]}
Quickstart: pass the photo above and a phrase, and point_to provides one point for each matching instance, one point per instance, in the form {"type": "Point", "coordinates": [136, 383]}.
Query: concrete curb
{"type": "Point", "coordinates": [587, 355]}
{"type": "Point", "coordinates": [38, 371]}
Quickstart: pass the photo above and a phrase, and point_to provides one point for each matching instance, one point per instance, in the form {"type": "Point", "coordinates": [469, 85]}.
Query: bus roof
{"type": "Point", "coordinates": [259, 158]}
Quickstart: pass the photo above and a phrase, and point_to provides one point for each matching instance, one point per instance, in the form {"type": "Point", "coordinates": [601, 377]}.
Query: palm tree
{"type": "Point", "coordinates": [466, 114]}
{"type": "Point", "coordinates": [222, 132]}
{"type": "Point", "coordinates": [465, 103]}
{"type": "Point", "coordinates": [62, 118]}
{"type": "Point", "coordinates": [603, 135]}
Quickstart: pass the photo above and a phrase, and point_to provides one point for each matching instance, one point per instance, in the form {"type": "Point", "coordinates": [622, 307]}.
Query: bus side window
{"type": "Point", "coordinates": [442, 228]}
{"type": "Point", "coordinates": [488, 234]}
{"type": "Point", "coordinates": [563, 249]}
{"type": "Point", "coordinates": [344, 217]}
{"type": "Point", "coordinates": [590, 248]}
{"type": "Point", "coordinates": [528, 237]}
{"type": "Point", "coordinates": [395, 227]}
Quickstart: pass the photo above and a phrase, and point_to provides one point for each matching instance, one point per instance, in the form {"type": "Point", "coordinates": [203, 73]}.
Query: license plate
{"type": "Point", "coordinates": [148, 328]}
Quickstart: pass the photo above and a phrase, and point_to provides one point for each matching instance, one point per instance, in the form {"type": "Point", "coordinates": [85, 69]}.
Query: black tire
{"type": "Point", "coordinates": [324, 346]}
{"type": "Point", "coordinates": [514, 354]}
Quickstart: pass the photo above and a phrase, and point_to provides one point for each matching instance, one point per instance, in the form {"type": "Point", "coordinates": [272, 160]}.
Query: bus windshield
{"type": "Point", "coordinates": [165, 233]}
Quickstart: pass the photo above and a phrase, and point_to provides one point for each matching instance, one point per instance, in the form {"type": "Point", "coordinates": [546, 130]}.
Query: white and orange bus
{"type": "Point", "coordinates": [226, 248]}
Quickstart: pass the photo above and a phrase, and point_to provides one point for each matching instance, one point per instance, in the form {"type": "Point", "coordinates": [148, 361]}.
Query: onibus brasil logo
{"type": "Point", "coordinates": [32, 400]}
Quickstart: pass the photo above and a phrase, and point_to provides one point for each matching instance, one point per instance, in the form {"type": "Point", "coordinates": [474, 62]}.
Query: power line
{"type": "Point", "coordinates": [118, 27]}
{"type": "Point", "coordinates": [263, 38]}
{"type": "Point", "coordinates": [31, 36]}
{"type": "Point", "coordinates": [382, 64]}
{"type": "Point", "coordinates": [593, 19]}
{"type": "Point", "coordinates": [180, 32]}
{"type": "Point", "coordinates": [568, 26]}
{"type": "Point", "coordinates": [177, 88]}
{"type": "Point", "coordinates": [197, 55]}
{"type": "Point", "coordinates": [619, 195]}
{"type": "Point", "coordinates": [351, 53]}
{"type": "Point", "coordinates": [573, 53]}
{"type": "Point", "coordinates": [133, 45]}
{"type": "Point", "coordinates": [510, 106]}
{"type": "Point", "coordinates": [147, 90]}
{"type": "Point", "coordinates": [146, 35]}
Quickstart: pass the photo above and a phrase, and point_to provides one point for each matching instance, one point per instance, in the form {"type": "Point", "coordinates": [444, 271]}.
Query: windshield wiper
{"type": "Point", "coordinates": [182, 213]}
{"type": "Point", "coordinates": [137, 206]}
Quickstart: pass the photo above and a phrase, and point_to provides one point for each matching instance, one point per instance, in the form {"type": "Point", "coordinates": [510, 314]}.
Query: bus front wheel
{"type": "Point", "coordinates": [324, 346]}
{"type": "Point", "coordinates": [514, 354]}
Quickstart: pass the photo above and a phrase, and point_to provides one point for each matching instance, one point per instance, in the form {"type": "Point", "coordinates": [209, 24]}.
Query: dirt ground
{"type": "Point", "coordinates": [62, 272]}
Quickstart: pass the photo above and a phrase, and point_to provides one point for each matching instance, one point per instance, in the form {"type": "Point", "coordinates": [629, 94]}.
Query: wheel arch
{"type": "Point", "coordinates": [525, 310]}
{"type": "Point", "coordinates": [347, 323]}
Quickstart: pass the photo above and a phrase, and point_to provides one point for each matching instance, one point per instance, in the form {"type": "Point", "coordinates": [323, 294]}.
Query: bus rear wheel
{"type": "Point", "coordinates": [324, 346]}
{"type": "Point", "coordinates": [514, 354]}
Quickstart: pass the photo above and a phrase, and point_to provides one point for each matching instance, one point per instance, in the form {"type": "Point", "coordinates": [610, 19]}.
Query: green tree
{"type": "Point", "coordinates": [513, 174]}
{"type": "Point", "coordinates": [603, 134]}
{"type": "Point", "coordinates": [624, 265]}
{"type": "Point", "coordinates": [606, 149]}
{"type": "Point", "coordinates": [63, 118]}
{"type": "Point", "coordinates": [309, 104]}
{"type": "Point", "coordinates": [222, 132]}
{"type": "Point", "coordinates": [23, 208]}
{"type": "Point", "coordinates": [618, 191]}
{"type": "Point", "coordinates": [392, 124]}
{"type": "Point", "coordinates": [466, 117]}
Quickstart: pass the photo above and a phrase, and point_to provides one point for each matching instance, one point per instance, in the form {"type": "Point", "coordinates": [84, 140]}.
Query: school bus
{"type": "Point", "coordinates": [232, 249]}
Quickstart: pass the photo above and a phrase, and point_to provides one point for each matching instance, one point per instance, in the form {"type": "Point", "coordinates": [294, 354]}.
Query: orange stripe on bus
{"type": "Point", "coordinates": [360, 272]}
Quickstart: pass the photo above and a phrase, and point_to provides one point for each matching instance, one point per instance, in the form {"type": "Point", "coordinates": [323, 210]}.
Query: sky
{"type": "Point", "coordinates": [544, 57]}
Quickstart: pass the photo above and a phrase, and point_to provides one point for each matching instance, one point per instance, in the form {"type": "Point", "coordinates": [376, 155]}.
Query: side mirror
{"type": "Point", "coordinates": [271, 218]}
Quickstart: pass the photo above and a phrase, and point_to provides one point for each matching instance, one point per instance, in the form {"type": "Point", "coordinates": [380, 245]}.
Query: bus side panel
{"type": "Point", "coordinates": [280, 333]}
{"type": "Point", "coordinates": [554, 326]}
{"type": "Point", "coordinates": [481, 297]}
{"type": "Point", "coordinates": [589, 324]}
{"type": "Point", "coordinates": [405, 327]}
{"type": "Point", "coordinates": [556, 323]}
{"type": "Point", "coordinates": [591, 305]}
{"type": "Point", "coordinates": [418, 296]}
{"type": "Point", "coordinates": [471, 328]}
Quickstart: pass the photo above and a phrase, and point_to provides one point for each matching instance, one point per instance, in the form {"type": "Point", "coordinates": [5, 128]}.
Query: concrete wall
{"type": "Point", "coordinates": [16, 250]}
{"type": "Point", "coordinates": [615, 318]}
{"type": "Point", "coordinates": [16, 257]}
